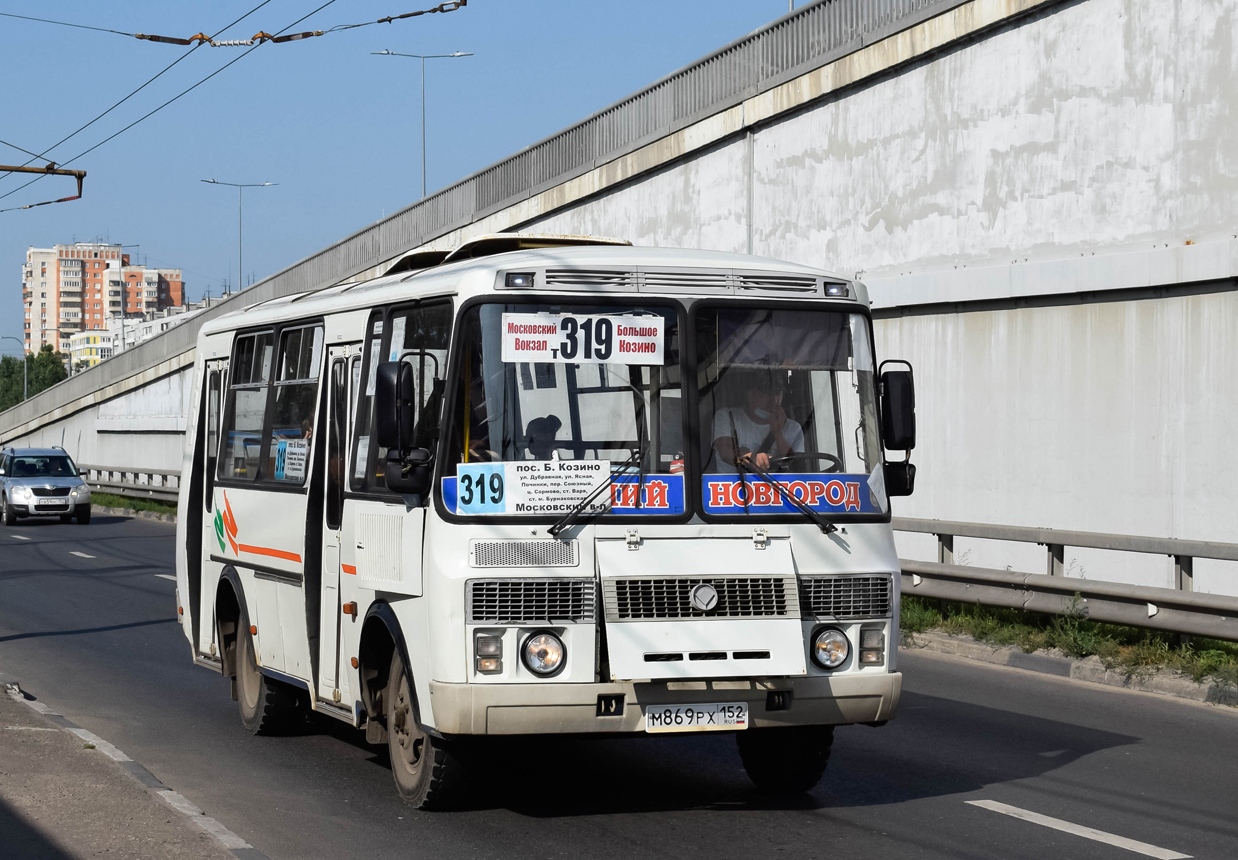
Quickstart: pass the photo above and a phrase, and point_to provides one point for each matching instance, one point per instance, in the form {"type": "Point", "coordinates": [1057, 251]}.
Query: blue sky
{"type": "Point", "coordinates": [338, 129]}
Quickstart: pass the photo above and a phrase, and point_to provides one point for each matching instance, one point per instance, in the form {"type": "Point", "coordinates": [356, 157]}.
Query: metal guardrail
{"type": "Point", "coordinates": [134, 484]}
{"type": "Point", "coordinates": [817, 33]}
{"type": "Point", "coordinates": [1177, 609]}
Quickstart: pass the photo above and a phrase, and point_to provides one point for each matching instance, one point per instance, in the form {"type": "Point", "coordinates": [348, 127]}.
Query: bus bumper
{"type": "Point", "coordinates": [517, 709]}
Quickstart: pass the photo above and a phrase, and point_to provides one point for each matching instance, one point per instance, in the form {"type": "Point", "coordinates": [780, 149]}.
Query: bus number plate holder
{"type": "Point", "coordinates": [706, 717]}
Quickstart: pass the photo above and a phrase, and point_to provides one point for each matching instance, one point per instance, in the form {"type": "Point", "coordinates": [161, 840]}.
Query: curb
{"type": "Point", "coordinates": [140, 515]}
{"type": "Point", "coordinates": [238, 847]}
{"type": "Point", "coordinates": [1165, 682]}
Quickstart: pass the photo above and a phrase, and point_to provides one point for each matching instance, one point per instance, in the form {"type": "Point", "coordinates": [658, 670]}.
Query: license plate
{"type": "Point", "coordinates": [53, 503]}
{"type": "Point", "coordinates": [696, 718]}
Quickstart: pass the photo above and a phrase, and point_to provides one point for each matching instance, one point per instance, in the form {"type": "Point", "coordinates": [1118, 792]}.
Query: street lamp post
{"type": "Point", "coordinates": [240, 187]}
{"type": "Point", "coordinates": [423, 58]}
{"type": "Point", "coordinates": [25, 379]}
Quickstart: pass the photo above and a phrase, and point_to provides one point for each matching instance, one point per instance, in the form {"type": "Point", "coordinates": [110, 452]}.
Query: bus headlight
{"type": "Point", "coordinates": [544, 654]}
{"type": "Point", "coordinates": [830, 648]}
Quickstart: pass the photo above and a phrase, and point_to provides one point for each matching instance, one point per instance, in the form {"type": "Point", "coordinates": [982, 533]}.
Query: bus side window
{"type": "Point", "coordinates": [241, 437]}
{"type": "Point", "coordinates": [418, 336]}
{"type": "Point", "coordinates": [336, 434]}
{"type": "Point", "coordinates": [212, 435]}
{"type": "Point", "coordinates": [296, 399]}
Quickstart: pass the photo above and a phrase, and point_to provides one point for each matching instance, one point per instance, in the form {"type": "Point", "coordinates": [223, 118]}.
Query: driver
{"type": "Point", "coordinates": [760, 431]}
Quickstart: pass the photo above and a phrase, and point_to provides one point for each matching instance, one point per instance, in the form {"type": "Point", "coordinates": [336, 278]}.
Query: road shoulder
{"type": "Point", "coordinates": [1088, 670]}
{"type": "Point", "coordinates": [63, 795]}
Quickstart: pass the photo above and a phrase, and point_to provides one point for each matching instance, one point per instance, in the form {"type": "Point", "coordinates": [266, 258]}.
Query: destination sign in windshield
{"type": "Point", "coordinates": [583, 339]}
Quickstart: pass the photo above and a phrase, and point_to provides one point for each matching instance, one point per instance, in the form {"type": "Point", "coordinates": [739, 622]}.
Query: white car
{"type": "Point", "coordinates": [41, 482]}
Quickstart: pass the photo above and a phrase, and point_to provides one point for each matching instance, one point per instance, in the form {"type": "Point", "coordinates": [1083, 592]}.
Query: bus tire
{"type": "Point", "coordinates": [785, 761]}
{"type": "Point", "coordinates": [266, 706]}
{"type": "Point", "coordinates": [428, 775]}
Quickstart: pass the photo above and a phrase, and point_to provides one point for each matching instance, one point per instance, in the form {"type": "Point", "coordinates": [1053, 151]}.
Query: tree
{"type": "Point", "coordinates": [47, 367]}
{"type": "Point", "coordinates": [10, 382]}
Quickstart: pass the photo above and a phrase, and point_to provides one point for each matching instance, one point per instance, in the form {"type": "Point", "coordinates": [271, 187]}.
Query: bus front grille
{"type": "Point", "coordinates": [846, 596]}
{"type": "Point", "coordinates": [530, 601]}
{"type": "Point", "coordinates": [671, 598]}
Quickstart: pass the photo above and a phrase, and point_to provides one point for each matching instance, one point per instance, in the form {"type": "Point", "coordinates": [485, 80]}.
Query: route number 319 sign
{"type": "Point", "coordinates": [583, 339]}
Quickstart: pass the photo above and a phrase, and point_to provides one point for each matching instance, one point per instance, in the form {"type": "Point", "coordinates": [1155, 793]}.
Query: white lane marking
{"type": "Point", "coordinates": [28, 729]}
{"type": "Point", "coordinates": [81, 554]}
{"type": "Point", "coordinates": [101, 745]}
{"type": "Point", "coordinates": [1079, 830]}
{"type": "Point", "coordinates": [210, 825]}
{"type": "Point", "coordinates": [166, 576]}
{"type": "Point", "coordinates": [19, 537]}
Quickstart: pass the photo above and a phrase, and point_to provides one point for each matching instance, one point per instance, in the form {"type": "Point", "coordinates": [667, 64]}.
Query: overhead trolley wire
{"type": "Point", "coordinates": [199, 39]}
{"type": "Point", "coordinates": [20, 149]}
{"type": "Point", "coordinates": [67, 24]}
{"type": "Point", "coordinates": [131, 95]}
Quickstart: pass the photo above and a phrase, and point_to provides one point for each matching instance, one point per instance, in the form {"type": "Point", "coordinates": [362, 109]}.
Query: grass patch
{"type": "Point", "coordinates": [109, 500]}
{"type": "Point", "coordinates": [1132, 650]}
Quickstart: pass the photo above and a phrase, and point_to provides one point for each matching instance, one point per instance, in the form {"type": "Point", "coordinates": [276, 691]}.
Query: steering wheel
{"type": "Point", "coordinates": [835, 464]}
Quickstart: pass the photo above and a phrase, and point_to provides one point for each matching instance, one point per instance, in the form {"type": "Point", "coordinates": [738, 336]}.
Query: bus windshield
{"type": "Point", "coordinates": [790, 391]}
{"type": "Point", "coordinates": [553, 397]}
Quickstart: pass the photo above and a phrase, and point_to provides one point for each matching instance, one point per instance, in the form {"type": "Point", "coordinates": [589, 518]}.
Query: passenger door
{"type": "Point", "coordinates": [338, 399]}
{"type": "Point", "coordinates": [213, 540]}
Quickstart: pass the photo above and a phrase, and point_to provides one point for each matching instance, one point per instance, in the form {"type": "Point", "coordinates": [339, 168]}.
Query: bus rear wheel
{"type": "Point", "coordinates": [428, 775]}
{"type": "Point", "coordinates": [785, 760]}
{"type": "Point", "coordinates": [266, 706]}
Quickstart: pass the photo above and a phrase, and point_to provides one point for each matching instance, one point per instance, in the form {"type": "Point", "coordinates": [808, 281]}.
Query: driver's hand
{"type": "Point", "coordinates": [777, 419]}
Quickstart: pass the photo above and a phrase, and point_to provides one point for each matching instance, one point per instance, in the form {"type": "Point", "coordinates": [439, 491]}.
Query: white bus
{"type": "Point", "coordinates": [547, 485]}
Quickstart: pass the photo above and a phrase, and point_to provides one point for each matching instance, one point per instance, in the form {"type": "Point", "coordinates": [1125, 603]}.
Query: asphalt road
{"type": "Point", "coordinates": [94, 638]}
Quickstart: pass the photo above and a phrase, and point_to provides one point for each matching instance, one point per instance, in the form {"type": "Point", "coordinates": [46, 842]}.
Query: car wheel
{"type": "Point", "coordinates": [428, 774]}
{"type": "Point", "coordinates": [83, 515]}
{"type": "Point", "coordinates": [9, 515]}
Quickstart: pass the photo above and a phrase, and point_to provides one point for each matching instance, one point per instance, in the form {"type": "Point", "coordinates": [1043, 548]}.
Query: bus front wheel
{"type": "Point", "coordinates": [427, 773]}
{"type": "Point", "coordinates": [266, 706]}
{"type": "Point", "coordinates": [785, 760]}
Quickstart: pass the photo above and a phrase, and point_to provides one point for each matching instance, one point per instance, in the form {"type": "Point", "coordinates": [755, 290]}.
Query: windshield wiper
{"type": "Point", "coordinates": [815, 517]}
{"type": "Point", "coordinates": [571, 517]}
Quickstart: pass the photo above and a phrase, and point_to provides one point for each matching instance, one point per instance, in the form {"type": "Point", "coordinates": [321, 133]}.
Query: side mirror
{"type": "Point", "coordinates": [81, 473]}
{"type": "Point", "coordinates": [409, 475]}
{"type": "Point", "coordinates": [898, 408]}
{"type": "Point", "coordinates": [900, 478]}
{"type": "Point", "coordinates": [394, 400]}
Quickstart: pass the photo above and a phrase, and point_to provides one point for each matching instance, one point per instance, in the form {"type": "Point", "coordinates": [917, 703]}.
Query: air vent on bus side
{"type": "Point", "coordinates": [523, 553]}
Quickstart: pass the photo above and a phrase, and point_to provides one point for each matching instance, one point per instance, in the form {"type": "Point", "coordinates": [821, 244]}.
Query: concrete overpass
{"type": "Point", "coordinates": [1040, 195]}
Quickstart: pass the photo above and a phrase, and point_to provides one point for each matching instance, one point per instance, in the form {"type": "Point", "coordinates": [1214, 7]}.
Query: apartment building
{"type": "Point", "coordinates": [89, 347]}
{"type": "Point", "coordinates": [69, 289]}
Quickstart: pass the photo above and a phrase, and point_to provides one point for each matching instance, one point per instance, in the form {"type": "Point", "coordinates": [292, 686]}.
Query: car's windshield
{"type": "Point", "coordinates": [552, 396]}
{"type": "Point", "coordinates": [42, 466]}
{"type": "Point", "coordinates": [791, 392]}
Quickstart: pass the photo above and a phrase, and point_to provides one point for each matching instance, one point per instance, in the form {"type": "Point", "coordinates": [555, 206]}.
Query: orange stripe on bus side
{"type": "Point", "coordinates": [349, 568]}
{"type": "Point", "coordinates": [273, 553]}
